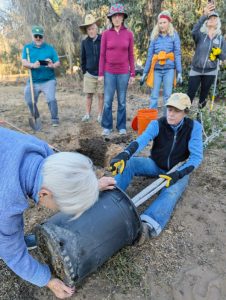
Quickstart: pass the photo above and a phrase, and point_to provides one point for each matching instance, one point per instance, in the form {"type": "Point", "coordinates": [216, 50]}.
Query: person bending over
{"type": "Point", "coordinates": [59, 181]}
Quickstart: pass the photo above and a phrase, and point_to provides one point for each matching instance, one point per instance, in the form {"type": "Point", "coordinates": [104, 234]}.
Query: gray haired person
{"type": "Point", "coordinates": [210, 48]}
{"type": "Point", "coordinates": [64, 181]}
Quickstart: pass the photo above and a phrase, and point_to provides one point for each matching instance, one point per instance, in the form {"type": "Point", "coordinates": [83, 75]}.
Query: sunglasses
{"type": "Point", "coordinates": [38, 36]}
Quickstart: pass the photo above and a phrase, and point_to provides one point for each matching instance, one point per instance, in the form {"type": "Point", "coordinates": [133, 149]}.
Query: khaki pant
{"type": "Point", "coordinates": [91, 85]}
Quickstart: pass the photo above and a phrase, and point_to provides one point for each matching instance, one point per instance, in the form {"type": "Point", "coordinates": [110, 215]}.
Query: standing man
{"type": "Point", "coordinates": [176, 138]}
{"type": "Point", "coordinates": [42, 62]}
{"type": "Point", "coordinates": [90, 55]}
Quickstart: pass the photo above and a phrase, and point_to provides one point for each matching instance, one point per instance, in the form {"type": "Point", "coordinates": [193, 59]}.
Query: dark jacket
{"type": "Point", "coordinates": [201, 62]}
{"type": "Point", "coordinates": [170, 148]}
{"type": "Point", "coordinates": [90, 54]}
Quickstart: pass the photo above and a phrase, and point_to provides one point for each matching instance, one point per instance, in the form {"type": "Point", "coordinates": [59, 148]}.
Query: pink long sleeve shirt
{"type": "Point", "coordinates": [116, 54]}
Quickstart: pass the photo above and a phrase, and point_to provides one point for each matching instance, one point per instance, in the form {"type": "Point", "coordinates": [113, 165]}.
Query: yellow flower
{"type": "Point", "coordinates": [216, 51]}
{"type": "Point", "coordinates": [212, 56]}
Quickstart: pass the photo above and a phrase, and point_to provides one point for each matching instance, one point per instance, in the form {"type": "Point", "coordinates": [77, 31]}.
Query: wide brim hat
{"type": "Point", "coordinates": [179, 100]}
{"type": "Point", "coordinates": [117, 9]}
{"type": "Point", "coordinates": [89, 20]}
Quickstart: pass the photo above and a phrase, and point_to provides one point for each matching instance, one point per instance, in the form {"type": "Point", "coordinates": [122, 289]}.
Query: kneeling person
{"type": "Point", "coordinates": [175, 138]}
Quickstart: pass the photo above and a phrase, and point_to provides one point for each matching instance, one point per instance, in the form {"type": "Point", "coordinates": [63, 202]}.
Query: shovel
{"type": "Point", "coordinates": [34, 120]}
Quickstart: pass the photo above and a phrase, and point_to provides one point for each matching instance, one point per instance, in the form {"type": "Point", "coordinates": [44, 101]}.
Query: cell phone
{"type": "Point", "coordinates": [211, 2]}
{"type": "Point", "coordinates": [43, 62]}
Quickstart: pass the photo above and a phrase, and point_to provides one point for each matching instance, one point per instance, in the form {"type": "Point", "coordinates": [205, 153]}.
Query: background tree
{"type": "Point", "coordinates": [61, 19]}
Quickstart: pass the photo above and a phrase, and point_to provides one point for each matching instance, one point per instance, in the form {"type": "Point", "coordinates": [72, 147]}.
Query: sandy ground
{"type": "Point", "coordinates": [186, 262]}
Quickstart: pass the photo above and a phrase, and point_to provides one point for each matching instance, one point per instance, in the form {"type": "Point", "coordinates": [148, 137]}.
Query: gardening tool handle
{"type": "Point", "coordinates": [215, 86]}
{"type": "Point", "coordinates": [31, 80]}
{"type": "Point", "coordinates": [24, 132]}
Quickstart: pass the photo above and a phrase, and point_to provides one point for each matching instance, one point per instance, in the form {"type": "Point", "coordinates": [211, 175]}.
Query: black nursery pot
{"type": "Point", "coordinates": [74, 248]}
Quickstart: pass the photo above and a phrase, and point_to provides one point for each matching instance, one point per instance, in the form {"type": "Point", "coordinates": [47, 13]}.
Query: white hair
{"type": "Point", "coordinates": [71, 179]}
{"type": "Point", "coordinates": [204, 28]}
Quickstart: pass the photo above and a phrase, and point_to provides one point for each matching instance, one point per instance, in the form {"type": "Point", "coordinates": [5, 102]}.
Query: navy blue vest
{"type": "Point", "coordinates": [170, 148]}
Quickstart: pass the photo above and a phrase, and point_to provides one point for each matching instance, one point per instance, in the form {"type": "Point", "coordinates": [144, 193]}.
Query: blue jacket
{"type": "Point", "coordinates": [168, 44]}
{"type": "Point", "coordinates": [21, 162]}
{"type": "Point", "coordinates": [195, 144]}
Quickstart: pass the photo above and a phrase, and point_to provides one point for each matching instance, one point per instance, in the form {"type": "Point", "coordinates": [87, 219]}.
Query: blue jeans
{"type": "Point", "coordinates": [112, 83]}
{"type": "Point", "coordinates": [161, 209]}
{"type": "Point", "coordinates": [48, 88]}
{"type": "Point", "coordinates": [165, 76]}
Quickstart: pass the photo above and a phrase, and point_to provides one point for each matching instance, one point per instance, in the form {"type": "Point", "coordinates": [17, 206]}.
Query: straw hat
{"type": "Point", "coordinates": [179, 100]}
{"type": "Point", "coordinates": [89, 20]}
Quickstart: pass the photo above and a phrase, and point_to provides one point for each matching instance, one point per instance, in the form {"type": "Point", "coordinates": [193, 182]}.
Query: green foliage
{"type": "Point", "coordinates": [221, 83]}
{"type": "Point", "coordinates": [62, 17]}
{"type": "Point", "coordinates": [213, 121]}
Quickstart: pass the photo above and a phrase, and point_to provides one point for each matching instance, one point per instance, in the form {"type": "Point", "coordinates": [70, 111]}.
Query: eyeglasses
{"type": "Point", "coordinates": [38, 36]}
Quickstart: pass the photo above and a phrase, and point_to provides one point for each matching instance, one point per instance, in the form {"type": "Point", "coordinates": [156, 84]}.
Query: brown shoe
{"type": "Point", "coordinates": [145, 234]}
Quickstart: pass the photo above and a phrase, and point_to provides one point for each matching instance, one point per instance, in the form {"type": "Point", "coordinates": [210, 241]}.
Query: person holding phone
{"type": "Point", "coordinates": [43, 61]}
{"type": "Point", "coordinates": [210, 47]}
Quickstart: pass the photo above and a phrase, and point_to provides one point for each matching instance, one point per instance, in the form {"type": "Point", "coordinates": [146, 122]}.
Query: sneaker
{"type": "Point", "coordinates": [145, 233]}
{"type": "Point", "coordinates": [99, 118]}
{"type": "Point", "coordinates": [122, 131]}
{"type": "Point", "coordinates": [86, 118]}
{"type": "Point", "coordinates": [106, 131]}
{"type": "Point", "coordinates": [55, 123]}
{"type": "Point", "coordinates": [30, 241]}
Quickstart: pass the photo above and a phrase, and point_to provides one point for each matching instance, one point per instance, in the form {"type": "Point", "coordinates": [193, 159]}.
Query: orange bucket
{"type": "Point", "coordinates": [144, 117]}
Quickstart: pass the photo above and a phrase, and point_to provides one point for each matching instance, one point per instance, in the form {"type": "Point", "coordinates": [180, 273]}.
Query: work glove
{"type": "Point", "coordinates": [118, 163]}
{"type": "Point", "coordinates": [143, 78]}
{"type": "Point", "coordinates": [173, 177]}
{"type": "Point", "coordinates": [179, 78]}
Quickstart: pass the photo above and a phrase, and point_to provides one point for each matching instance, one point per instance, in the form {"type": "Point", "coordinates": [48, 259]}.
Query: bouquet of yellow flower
{"type": "Point", "coordinates": [215, 52]}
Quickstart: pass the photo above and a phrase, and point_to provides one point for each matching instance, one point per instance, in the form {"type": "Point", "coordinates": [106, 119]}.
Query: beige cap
{"type": "Point", "coordinates": [180, 101]}
{"type": "Point", "coordinates": [89, 20]}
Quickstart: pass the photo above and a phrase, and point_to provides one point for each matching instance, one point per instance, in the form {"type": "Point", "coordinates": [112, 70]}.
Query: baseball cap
{"type": "Point", "coordinates": [213, 14]}
{"type": "Point", "coordinates": [179, 100]}
{"type": "Point", "coordinates": [37, 30]}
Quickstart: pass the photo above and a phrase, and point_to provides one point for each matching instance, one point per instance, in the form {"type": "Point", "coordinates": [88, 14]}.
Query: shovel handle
{"type": "Point", "coordinates": [30, 75]}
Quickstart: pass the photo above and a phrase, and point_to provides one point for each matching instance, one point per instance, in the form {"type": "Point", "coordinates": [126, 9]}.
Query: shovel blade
{"type": "Point", "coordinates": [35, 124]}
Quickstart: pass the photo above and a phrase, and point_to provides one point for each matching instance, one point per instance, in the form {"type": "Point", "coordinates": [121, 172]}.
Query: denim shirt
{"type": "Point", "coordinates": [21, 161]}
{"type": "Point", "coordinates": [168, 44]}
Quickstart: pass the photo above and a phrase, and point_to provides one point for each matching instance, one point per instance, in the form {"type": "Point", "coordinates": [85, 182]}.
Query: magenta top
{"type": "Point", "coordinates": [116, 54]}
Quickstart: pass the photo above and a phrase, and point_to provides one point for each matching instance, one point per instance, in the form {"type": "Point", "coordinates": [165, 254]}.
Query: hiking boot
{"type": "Point", "coordinates": [106, 132]}
{"type": "Point", "coordinates": [122, 131]}
{"type": "Point", "coordinates": [30, 241]}
{"type": "Point", "coordinates": [86, 118]}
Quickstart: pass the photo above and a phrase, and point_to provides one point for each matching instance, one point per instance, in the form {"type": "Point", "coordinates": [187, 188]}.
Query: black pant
{"type": "Point", "coordinates": [193, 85]}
